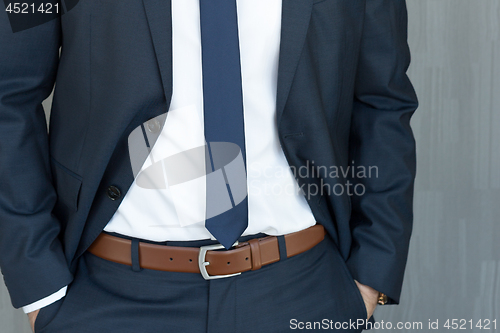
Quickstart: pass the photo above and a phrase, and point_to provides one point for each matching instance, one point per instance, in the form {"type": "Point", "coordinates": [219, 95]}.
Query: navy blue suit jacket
{"type": "Point", "coordinates": [343, 96]}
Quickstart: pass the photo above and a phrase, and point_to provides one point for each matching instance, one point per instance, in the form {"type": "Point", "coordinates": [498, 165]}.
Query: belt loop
{"type": "Point", "coordinates": [255, 250]}
{"type": "Point", "coordinates": [282, 247]}
{"type": "Point", "coordinates": [134, 250]}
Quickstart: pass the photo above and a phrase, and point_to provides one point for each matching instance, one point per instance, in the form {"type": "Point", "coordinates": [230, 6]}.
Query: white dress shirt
{"type": "Point", "coordinates": [275, 205]}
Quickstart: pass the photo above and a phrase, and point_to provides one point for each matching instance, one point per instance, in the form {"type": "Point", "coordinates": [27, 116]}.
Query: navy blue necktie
{"type": "Point", "coordinates": [223, 117]}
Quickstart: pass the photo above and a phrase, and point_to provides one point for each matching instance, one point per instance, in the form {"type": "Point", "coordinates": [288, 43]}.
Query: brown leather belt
{"type": "Point", "coordinates": [245, 256]}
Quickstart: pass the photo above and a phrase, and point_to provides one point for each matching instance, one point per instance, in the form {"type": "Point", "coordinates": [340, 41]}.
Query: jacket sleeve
{"type": "Point", "coordinates": [31, 256]}
{"type": "Point", "coordinates": [382, 141]}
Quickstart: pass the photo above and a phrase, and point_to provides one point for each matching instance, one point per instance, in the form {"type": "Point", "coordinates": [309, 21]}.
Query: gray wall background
{"type": "Point", "coordinates": [454, 263]}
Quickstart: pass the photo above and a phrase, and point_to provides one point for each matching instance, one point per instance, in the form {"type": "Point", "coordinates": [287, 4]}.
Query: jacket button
{"type": "Point", "coordinates": [114, 192]}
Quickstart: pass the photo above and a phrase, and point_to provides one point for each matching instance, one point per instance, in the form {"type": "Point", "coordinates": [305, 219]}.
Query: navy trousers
{"type": "Point", "coordinates": [311, 290]}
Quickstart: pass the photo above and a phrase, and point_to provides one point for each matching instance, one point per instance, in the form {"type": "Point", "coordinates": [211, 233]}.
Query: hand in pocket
{"type": "Point", "coordinates": [32, 318]}
{"type": "Point", "coordinates": [370, 297]}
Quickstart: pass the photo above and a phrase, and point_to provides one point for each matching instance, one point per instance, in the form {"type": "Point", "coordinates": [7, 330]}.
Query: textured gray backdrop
{"type": "Point", "coordinates": [454, 264]}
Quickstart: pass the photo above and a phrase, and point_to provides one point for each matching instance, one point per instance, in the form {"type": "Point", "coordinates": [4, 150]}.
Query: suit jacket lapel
{"type": "Point", "coordinates": [159, 15]}
{"type": "Point", "coordinates": [296, 15]}
{"type": "Point", "coordinates": [295, 21]}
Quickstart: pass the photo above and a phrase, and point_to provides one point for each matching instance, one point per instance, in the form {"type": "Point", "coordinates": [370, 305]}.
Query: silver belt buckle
{"type": "Point", "coordinates": [202, 264]}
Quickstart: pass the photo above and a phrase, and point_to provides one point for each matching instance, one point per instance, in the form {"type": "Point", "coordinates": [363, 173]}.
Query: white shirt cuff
{"type": "Point", "coordinates": [45, 301]}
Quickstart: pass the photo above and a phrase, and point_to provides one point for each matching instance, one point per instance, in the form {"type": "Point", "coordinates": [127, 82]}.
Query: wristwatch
{"type": "Point", "coordinates": [382, 299]}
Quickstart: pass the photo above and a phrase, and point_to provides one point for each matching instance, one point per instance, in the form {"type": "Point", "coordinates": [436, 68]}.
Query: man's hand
{"type": "Point", "coordinates": [32, 317]}
{"type": "Point", "coordinates": [370, 296]}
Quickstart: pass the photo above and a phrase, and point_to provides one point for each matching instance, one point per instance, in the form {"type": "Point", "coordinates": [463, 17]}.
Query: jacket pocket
{"type": "Point", "coordinates": [67, 185]}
